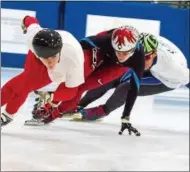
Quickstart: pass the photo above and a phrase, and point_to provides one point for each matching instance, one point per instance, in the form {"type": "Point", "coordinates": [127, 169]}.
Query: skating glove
{"type": "Point", "coordinates": [125, 124]}
{"type": "Point", "coordinates": [27, 21]}
{"type": "Point", "coordinates": [44, 98]}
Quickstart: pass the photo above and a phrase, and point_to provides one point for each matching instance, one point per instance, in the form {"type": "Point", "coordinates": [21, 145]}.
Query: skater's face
{"type": "Point", "coordinates": [50, 62]}
{"type": "Point", "coordinates": [123, 56]}
{"type": "Point", "coordinates": [149, 59]}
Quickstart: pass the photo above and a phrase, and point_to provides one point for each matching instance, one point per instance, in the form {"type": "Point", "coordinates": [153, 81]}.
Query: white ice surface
{"type": "Point", "coordinates": [74, 146]}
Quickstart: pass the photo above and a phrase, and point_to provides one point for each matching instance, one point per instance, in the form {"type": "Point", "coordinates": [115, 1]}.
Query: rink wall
{"type": "Point", "coordinates": [13, 42]}
{"type": "Point", "coordinates": [174, 23]}
{"type": "Point", "coordinates": [85, 18]}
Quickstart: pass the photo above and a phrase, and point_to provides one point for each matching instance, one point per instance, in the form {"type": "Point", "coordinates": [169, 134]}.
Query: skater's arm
{"type": "Point", "coordinates": [136, 75]}
{"type": "Point", "coordinates": [182, 72]}
{"type": "Point", "coordinates": [99, 41]}
{"type": "Point", "coordinates": [64, 93]}
{"type": "Point", "coordinates": [174, 65]}
{"type": "Point", "coordinates": [74, 73]}
{"type": "Point", "coordinates": [31, 25]}
{"type": "Point", "coordinates": [74, 78]}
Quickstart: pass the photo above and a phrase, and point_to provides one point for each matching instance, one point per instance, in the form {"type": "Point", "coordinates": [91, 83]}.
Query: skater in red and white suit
{"type": "Point", "coordinates": [55, 56]}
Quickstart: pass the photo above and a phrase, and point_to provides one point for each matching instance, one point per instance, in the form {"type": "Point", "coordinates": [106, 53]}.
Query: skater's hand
{"type": "Point", "coordinates": [44, 98]}
{"type": "Point", "coordinates": [125, 124]}
{"type": "Point", "coordinates": [27, 21]}
{"type": "Point", "coordinates": [24, 28]}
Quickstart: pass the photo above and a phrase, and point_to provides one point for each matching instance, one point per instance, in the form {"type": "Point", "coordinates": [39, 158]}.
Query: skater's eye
{"type": "Point", "coordinates": [148, 57]}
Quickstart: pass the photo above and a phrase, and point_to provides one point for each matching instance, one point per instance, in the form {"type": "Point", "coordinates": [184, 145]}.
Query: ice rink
{"type": "Point", "coordinates": [163, 121]}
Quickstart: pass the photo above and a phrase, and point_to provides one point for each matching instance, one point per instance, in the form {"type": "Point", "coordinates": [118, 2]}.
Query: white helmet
{"type": "Point", "coordinates": [125, 38]}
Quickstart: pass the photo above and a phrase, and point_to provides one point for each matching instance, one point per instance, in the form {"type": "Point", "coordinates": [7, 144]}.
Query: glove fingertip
{"type": "Point", "coordinates": [120, 133]}
{"type": "Point", "coordinates": [36, 92]}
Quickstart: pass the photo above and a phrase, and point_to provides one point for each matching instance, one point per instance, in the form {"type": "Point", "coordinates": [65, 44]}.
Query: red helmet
{"type": "Point", "coordinates": [125, 38]}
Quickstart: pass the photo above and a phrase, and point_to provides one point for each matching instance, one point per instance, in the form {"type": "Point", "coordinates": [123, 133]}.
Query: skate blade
{"type": "Point", "coordinates": [33, 123]}
{"type": "Point", "coordinates": [83, 120]}
{"type": "Point", "coordinates": [77, 116]}
{"type": "Point", "coordinates": [67, 115]}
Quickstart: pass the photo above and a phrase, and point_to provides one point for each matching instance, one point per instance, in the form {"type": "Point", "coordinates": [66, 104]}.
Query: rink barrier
{"type": "Point", "coordinates": [75, 22]}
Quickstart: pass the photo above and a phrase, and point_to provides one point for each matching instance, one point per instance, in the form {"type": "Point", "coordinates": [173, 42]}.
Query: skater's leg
{"type": "Point", "coordinates": [98, 78]}
{"type": "Point", "coordinates": [94, 94]}
{"type": "Point", "coordinates": [15, 91]}
{"type": "Point", "coordinates": [117, 99]}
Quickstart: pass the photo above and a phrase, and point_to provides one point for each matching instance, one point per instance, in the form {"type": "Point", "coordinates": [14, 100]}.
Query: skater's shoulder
{"type": "Point", "coordinates": [67, 37]}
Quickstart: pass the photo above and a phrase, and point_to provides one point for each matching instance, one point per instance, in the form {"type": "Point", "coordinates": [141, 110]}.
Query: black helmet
{"type": "Point", "coordinates": [47, 43]}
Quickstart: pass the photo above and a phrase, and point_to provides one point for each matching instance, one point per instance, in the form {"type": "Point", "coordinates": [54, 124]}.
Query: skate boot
{"type": "Point", "coordinates": [90, 114]}
{"type": "Point", "coordinates": [43, 115]}
{"type": "Point", "coordinates": [5, 119]}
{"type": "Point", "coordinates": [71, 112]}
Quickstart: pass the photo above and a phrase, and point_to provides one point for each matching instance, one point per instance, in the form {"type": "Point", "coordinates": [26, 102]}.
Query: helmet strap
{"type": "Point", "coordinates": [59, 57]}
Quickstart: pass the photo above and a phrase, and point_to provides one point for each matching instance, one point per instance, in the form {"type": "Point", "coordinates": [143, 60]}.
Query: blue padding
{"type": "Point", "coordinates": [89, 41]}
{"type": "Point", "coordinates": [13, 60]}
{"type": "Point", "coordinates": [127, 77]}
{"type": "Point", "coordinates": [136, 80]}
{"type": "Point", "coordinates": [150, 81]}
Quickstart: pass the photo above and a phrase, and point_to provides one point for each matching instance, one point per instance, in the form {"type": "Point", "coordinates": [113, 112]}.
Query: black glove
{"type": "Point", "coordinates": [125, 124]}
